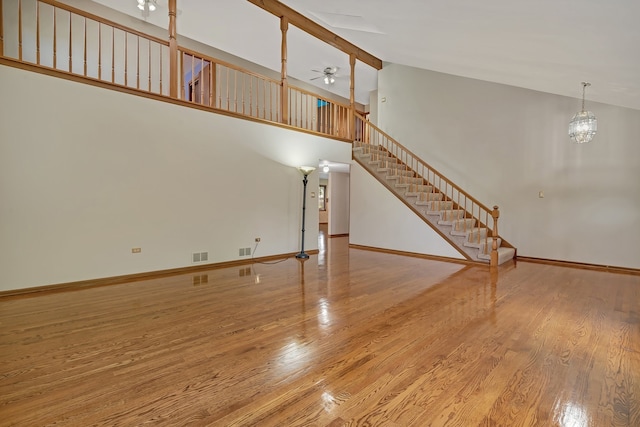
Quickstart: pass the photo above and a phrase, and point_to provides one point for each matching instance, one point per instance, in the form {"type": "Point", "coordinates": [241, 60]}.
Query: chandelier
{"type": "Point", "coordinates": [583, 125]}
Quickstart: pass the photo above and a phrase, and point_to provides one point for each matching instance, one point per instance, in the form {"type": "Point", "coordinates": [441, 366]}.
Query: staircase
{"type": "Point", "coordinates": [456, 216]}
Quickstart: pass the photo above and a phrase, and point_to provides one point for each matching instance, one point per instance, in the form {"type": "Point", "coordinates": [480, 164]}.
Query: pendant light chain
{"type": "Point", "coordinates": [584, 87]}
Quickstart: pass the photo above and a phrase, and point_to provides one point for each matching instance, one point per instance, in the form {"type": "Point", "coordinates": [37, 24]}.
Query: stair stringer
{"type": "Point", "coordinates": [456, 242]}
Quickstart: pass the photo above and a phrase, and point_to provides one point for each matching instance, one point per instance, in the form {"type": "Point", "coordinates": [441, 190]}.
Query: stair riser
{"type": "Point", "coordinates": [429, 197]}
{"type": "Point", "coordinates": [464, 231]}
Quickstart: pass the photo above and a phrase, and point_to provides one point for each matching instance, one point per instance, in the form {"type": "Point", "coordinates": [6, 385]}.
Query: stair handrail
{"type": "Point", "coordinates": [418, 167]}
{"type": "Point", "coordinates": [386, 135]}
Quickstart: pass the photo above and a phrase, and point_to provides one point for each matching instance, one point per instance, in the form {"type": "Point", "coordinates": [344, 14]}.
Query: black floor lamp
{"type": "Point", "coordinates": [305, 171]}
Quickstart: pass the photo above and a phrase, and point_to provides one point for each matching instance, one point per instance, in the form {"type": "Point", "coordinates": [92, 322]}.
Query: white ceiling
{"type": "Point", "coordinates": [545, 45]}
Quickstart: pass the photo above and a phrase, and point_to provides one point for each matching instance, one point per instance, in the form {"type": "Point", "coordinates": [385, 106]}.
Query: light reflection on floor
{"type": "Point", "coordinates": [322, 243]}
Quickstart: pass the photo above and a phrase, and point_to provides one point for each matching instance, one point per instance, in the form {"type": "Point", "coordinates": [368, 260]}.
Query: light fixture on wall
{"type": "Point", "coordinates": [583, 125]}
{"type": "Point", "coordinates": [325, 169]}
{"type": "Point", "coordinates": [305, 171]}
{"type": "Point", "coordinates": [147, 6]}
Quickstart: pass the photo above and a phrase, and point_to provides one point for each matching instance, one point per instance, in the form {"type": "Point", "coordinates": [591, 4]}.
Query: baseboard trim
{"type": "Point", "coordinates": [339, 235]}
{"type": "Point", "coordinates": [418, 255]}
{"type": "Point", "coordinates": [127, 278]}
{"type": "Point", "coordinates": [581, 265]}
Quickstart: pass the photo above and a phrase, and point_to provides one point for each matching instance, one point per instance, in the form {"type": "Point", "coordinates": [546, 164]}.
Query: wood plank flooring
{"type": "Point", "coordinates": [349, 338]}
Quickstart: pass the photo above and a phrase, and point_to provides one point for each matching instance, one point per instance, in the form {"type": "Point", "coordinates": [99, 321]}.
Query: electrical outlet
{"type": "Point", "coordinates": [136, 250]}
{"type": "Point", "coordinates": [257, 240]}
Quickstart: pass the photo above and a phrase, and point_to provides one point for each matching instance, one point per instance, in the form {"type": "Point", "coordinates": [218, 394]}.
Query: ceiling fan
{"type": "Point", "coordinates": [147, 6]}
{"type": "Point", "coordinates": [328, 75]}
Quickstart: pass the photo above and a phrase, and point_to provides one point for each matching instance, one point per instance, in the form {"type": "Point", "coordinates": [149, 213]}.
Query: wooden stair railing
{"type": "Point", "coordinates": [52, 36]}
{"type": "Point", "coordinates": [412, 170]}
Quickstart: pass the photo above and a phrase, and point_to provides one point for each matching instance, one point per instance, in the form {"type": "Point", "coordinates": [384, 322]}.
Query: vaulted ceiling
{"type": "Point", "coordinates": [544, 45]}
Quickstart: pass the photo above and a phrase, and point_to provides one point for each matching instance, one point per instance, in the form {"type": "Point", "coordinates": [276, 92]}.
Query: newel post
{"type": "Point", "coordinates": [284, 94]}
{"type": "Point", "coordinates": [173, 50]}
{"type": "Point", "coordinates": [494, 244]}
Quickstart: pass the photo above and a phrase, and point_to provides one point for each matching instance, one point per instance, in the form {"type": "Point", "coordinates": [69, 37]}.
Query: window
{"type": "Point", "coordinates": [321, 197]}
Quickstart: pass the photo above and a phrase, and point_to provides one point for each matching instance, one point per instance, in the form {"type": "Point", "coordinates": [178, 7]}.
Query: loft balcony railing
{"type": "Point", "coordinates": [54, 36]}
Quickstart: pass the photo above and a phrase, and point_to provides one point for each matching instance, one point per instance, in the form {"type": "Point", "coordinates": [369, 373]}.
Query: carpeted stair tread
{"type": "Point", "coordinates": [415, 189]}
{"type": "Point", "coordinates": [422, 198]}
{"type": "Point", "coordinates": [460, 227]}
{"type": "Point", "coordinates": [484, 246]}
{"type": "Point", "coordinates": [462, 232]}
{"type": "Point", "coordinates": [398, 172]}
{"type": "Point", "coordinates": [435, 207]}
{"type": "Point", "coordinates": [504, 255]}
{"type": "Point", "coordinates": [447, 217]}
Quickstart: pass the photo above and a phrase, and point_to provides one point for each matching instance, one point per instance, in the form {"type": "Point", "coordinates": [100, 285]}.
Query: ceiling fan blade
{"type": "Point", "coordinates": [316, 78]}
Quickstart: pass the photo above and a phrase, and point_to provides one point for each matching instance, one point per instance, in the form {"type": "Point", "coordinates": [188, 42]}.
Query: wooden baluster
{"type": "Point", "coordinates": [485, 221]}
{"type": "Point", "coordinates": [227, 84]}
{"type": "Point", "coordinates": [138, 65]}
{"type": "Point", "coordinates": [99, 49]}
{"type": "Point", "coordinates": [160, 48]}
{"type": "Point", "coordinates": [55, 38]}
{"type": "Point", "coordinates": [19, 30]}
{"type": "Point", "coordinates": [487, 234]}
{"type": "Point", "coordinates": [201, 80]}
{"type": "Point", "coordinates": [113, 56]}
{"type": "Point", "coordinates": [250, 96]}
{"type": "Point", "coordinates": [494, 244]}
{"type": "Point", "coordinates": [465, 213]}
{"type": "Point", "coordinates": [2, 29]}
{"type": "Point", "coordinates": [192, 92]}
{"type": "Point", "coordinates": [284, 98]}
{"type": "Point", "coordinates": [181, 67]}
{"type": "Point", "coordinates": [235, 91]}
{"type": "Point", "coordinates": [257, 97]}
{"type": "Point", "coordinates": [173, 51]}
{"type": "Point", "coordinates": [126, 58]}
{"type": "Point", "coordinates": [295, 117]}
{"type": "Point", "coordinates": [37, 31]}
{"type": "Point", "coordinates": [264, 99]}
{"type": "Point", "coordinates": [84, 65]}
{"type": "Point", "coordinates": [214, 84]}
{"type": "Point", "coordinates": [149, 65]}
{"type": "Point", "coordinates": [243, 91]}
{"type": "Point", "coordinates": [70, 44]}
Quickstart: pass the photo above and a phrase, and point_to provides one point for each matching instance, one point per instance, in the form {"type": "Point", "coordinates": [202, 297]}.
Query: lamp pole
{"type": "Point", "coordinates": [305, 170]}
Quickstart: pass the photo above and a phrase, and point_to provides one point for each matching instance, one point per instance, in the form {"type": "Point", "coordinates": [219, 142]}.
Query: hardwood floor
{"type": "Point", "coordinates": [349, 337]}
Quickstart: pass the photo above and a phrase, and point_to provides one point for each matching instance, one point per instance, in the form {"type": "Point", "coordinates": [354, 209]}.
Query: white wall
{"type": "Point", "coordinates": [338, 191]}
{"type": "Point", "coordinates": [380, 220]}
{"type": "Point", "coordinates": [505, 144]}
{"type": "Point", "coordinates": [86, 174]}
{"type": "Point", "coordinates": [373, 107]}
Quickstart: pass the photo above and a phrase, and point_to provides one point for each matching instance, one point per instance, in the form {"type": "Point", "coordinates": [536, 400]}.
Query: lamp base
{"type": "Point", "coordinates": [302, 255]}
